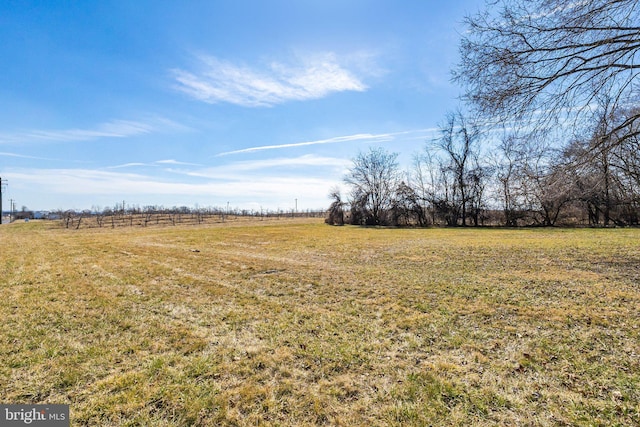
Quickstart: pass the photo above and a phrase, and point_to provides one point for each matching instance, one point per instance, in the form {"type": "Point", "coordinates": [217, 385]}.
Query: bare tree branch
{"type": "Point", "coordinates": [544, 62]}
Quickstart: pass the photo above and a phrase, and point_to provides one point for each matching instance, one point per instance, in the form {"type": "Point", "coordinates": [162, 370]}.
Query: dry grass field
{"type": "Point", "coordinates": [293, 322]}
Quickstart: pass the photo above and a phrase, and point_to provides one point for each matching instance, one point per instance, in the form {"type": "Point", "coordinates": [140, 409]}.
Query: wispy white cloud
{"type": "Point", "coordinates": [268, 191]}
{"type": "Point", "coordinates": [334, 140]}
{"type": "Point", "coordinates": [287, 166]}
{"type": "Point", "coordinates": [270, 182]}
{"type": "Point", "coordinates": [311, 77]}
{"type": "Point", "coordinates": [362, 137]}
{"type": "Point", "coordinates": [22, 156]}
{"type": "Point", "coordinates": [175, 162]}
{"type": "Point", "coordinates": [128, 165]}
{"type": "Point", "coordinates": [95, 182]}
{"type": "Point", "coordinates": [153, 164]}
{"type": "Point", "coordinates": [307, 160]}
{"type": "Point", "coordinates": [110, 129]}
{"type": "Point", "coordinates": [245, 177]}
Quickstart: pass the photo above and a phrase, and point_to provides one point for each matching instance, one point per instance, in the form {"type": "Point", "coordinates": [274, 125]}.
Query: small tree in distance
{"type": "Point", "coordinates": [373, 178]}
{"type": "Point", "coordinates": [336, 210]}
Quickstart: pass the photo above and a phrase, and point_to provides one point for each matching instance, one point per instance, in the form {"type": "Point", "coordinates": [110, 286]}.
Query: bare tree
{"type": "Point", "coordinates": [477, 178]}
{"type": "Point", "coordinates": [335, 215]}
{"type": "Point", "coordinates": [373, 178]}
{"type": "Point", "coordinates": [553, 191]}
{"type": "Point", "coordinates": [426, 181]}
{"type": "Point", "coordinates": [509, 160]}
{"type": "Point", "coordinates": [407, 208]}
{"type": "Point", "coordinates": [68, 217]}
{"type": "Point", "coordinates": [458, 140]}
{"type": "Point", "coordinates": [546, 62]}
{"type": "Point", "coordinates": [96, 211]}
{"type": "Point", "coordinates": [606, 178]}
{"type": "Point", "coordinates": [546, 182]}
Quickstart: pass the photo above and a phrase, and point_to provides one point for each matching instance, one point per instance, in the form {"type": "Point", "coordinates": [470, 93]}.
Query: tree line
{"type": "Point", "coordinates": [549, 134]}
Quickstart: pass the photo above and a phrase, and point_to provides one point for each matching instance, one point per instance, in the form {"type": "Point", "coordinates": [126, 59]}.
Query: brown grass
{"type": "Point", "coordinates": [294, 322]}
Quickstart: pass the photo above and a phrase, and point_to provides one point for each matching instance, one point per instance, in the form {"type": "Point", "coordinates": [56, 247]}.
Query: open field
{"type": "Point", "coordinates": [293, 322]}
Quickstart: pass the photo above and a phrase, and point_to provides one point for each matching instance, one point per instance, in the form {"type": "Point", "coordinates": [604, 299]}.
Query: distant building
{"type": "Point", "coordinates": [41, 215]}
{"type": "Point", "coordinates": [23, 215]}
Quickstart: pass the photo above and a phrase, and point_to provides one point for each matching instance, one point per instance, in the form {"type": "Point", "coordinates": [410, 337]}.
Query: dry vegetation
{"type": "Point", "coordinates": [298, 323]}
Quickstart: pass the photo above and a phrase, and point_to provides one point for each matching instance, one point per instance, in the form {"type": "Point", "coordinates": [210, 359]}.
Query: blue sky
{"type": "Point", "coordinates": [200, 103]}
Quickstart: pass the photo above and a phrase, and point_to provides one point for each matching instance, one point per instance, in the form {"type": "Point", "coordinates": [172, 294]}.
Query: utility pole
{"type": "Point", "coordinates": [2, 184]}
{"type": "Point", "coordinates": [12, 205]}
{"type": "Point", "coordinates": [0, 200]}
